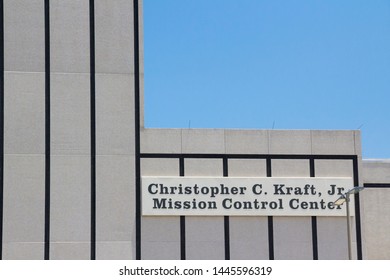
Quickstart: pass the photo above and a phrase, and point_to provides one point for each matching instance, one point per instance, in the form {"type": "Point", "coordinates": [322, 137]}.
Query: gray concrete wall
{"type": "Point", "coordinates": [24, 130]}
{"type": "Point", "coordinates": [70, 129]}
{"type": "Point", "coordinates": [376, 209]}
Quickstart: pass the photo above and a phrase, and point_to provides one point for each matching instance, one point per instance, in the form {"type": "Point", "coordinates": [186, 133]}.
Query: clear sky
{"type": "Point", "coordinates": [263, 64]}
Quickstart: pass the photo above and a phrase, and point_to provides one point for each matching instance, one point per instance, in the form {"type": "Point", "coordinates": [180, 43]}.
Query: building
{"type": "Point", "coordinates": [74, 150]}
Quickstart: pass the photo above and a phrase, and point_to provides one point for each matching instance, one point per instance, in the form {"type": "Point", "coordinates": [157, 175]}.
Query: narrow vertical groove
{"type": "Point", "coordinates": [93, 127]}
{"type": "Point", "coordinates": [182, 219]}
{"type": "Point", "coordinates": [314, 218]}
{"type": "Point", "coordinates": [137, 132]}
{"type": "Point", "coordinates": [47, 131]}
{"type": "Point", "coordinates": [226, 218]}
{"type": "Point", "coordinates": [1, 125]}
{"type": "Point", "coordinates": [271, 251]}
{"type": "Point", "coordinates": [357, 210]}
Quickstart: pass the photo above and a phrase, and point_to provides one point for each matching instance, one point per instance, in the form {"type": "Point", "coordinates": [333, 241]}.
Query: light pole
{"type": "Point", "coordinates": [340, 201]}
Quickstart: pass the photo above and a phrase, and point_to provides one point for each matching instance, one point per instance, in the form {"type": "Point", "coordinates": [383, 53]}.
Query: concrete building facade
{"type": "Point", "coordinates": [74, 150]}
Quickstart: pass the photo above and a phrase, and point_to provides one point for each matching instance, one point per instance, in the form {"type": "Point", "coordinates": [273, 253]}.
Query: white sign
{"type": "Point", "coordinates": [253, 196]}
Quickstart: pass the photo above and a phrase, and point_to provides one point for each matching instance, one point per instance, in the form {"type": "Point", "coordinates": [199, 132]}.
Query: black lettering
{"type": "Point", "coordinates": [205, 190]}
{"type": "Point", "coordinates": [178, 205]}
{"type": "Point", "coordinates": [151, 191]}
{"type": "Point", "coordinates": [187, 190]}
{"type": "Point", "coordinates": [332, 190]}
{"type": "Point", "coordinates": [279, 189]}
{"type": "Point", "coordinates": [234, 190]}
{"type": "Point", "coordinates": [224, 190]}
{"type": "Point", "coordinates": [187, 205]}
{"type": "Point", "coordinates": [257, 189]}
{"type": "Point", "coordinates": [227, 203]}
{"type": "Point", "coordinates": [294, 203]}
{"type": "Point", "coordinates": [214, 191]}
{"type": "Point", "coordinates": [159, 203]}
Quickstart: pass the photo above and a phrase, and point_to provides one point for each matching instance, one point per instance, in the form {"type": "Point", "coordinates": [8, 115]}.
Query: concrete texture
{"type": "Point", "coordinates": [23, 250]}
{"type": "Point", "coordinates": [116, 250]}
{"type": "Point", "coordinates": [24, 198]}
{"type": "Point", "coordinates": [70, 251]}
{"type": "Point", "coordinates": [376, 171]}
{"type": "Point", "coordinates": [204, 235]}
{"type": "Point", "coordinates": [332, 238]}
{"type": "Point", "coordinates": [114, 36]}
{"type": "Point", "coordinates": [248, 235]}
{"type": "Point", "coordinates": [376, 210]}
{"type": "Point", "coordinates": [203, 141]}
{"type": "Point", "coordinates": [24, 39]}
{"type": "Point", "coordinates": [376, 228]}
{"type": "Point", "coordinates": [336, 142]}
{"type": "Point", "coordinates": [24, 113]}
{"type": "Point", "coordinates": [247, 167]}
{"type": "Point", "coordinates": [225, 141]}
{"type": "Point", "coordinates": [290, 142]}
{"type": "Point", "coordinates": [69, 36]}
{"type": "Point", "coordinates": [114, 120]}
{"type": "Point", "coordinates": [115, 211]}
{"type": "Point", "coordinates": [248, 238]}
{"type": "Point", "coordinates": [293, 238]}
{"type": "Point", "coordinates": [332, 231]}
{"type": "Point", "coordinates": [70, 209]}
{"type": "Point", "coordinates": [169, 141]}
{"type": "Point", "coordinates": [247, 141]}
{"type": "Point", "coordinates": [70, 114]}
{"type": "Point", "coordinates": [160, 235]}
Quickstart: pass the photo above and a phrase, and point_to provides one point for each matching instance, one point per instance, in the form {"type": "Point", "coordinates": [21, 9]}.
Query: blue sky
{"type": "Point", "coordinates": [258, 64]}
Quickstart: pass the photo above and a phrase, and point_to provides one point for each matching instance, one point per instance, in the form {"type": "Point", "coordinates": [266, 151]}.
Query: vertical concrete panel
{"type": "Point", "coordinates": [160, 235]}
{"type": "Point", "coordinates": [204, 235]}
{"type": "Point", "coordinates": [69, 36]}
{"type": "Point", "coordinates": [24, 40]}
{"type": "Point", "coordinates": [115, 207]}
{"type": "Point", "coordinates": [23, 206]}
{"type": "Point", "coordinates": [292, 235]}
{"type": "Point", "coordinates": [23, 223]}
{"type": "Point", "coordinates": [376, 227]}
{"type": "Point", "coordinates": [248, 238]}
{"type": "Point", "coordinates": [248, 235]}
{"type": "Point", "coordinates": [293, 238]}
{"type": "Point", "coordinates": [115, 129]}
{"type": "Point", "coordinates": [332, 238]}
{"type": "Point", "coordinates": [332, 231]}
{"type": "Point", "coordinates": [114, 36]}
{"type": "Point", "coordinates": [24, 120]}
{"type": "Point", "coordinates": [115, 181]}
{"type": "Point", "coordinates": [70, 212]}
{"type": "Point", "coordinates": [115, 175]}
{"type": "Point", "coordinates": [115, 114]}
{"type": "Point", "coordinates": [70, 114]}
